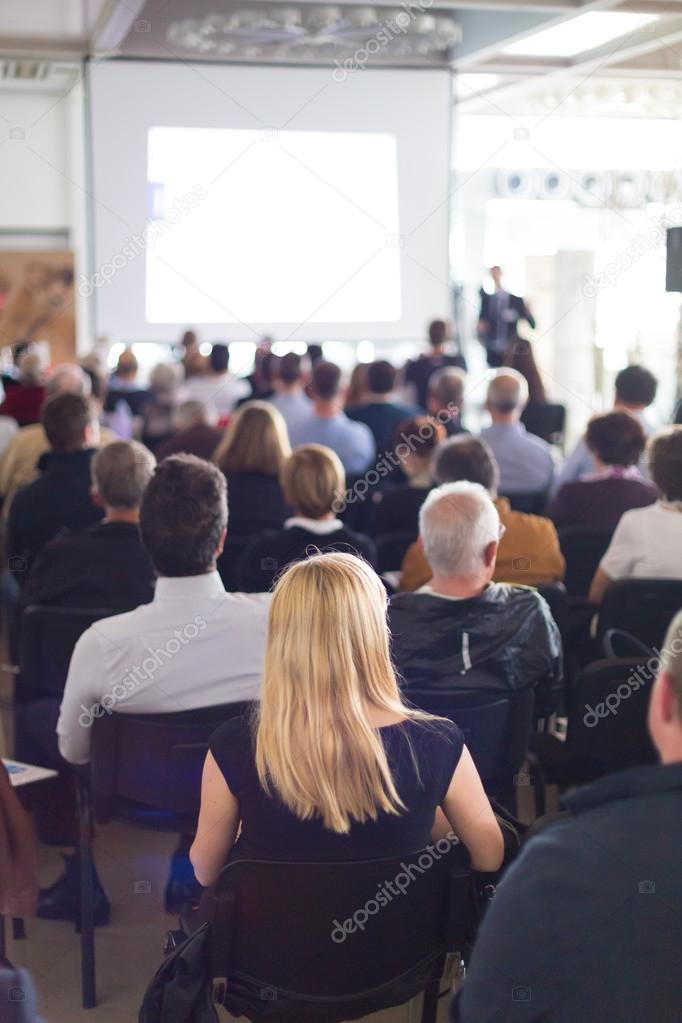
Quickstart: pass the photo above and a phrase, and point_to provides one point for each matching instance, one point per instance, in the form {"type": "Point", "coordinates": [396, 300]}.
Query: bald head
{"type": "Point", "coordinates": [459, 529]}
{"type": "Point", "coordinates": [507, 395]}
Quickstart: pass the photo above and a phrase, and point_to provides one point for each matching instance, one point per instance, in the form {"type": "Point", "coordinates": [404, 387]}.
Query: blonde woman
{"type": "Point", "coordinates": [335, 766]}
{"type": "Point", "coordinates": [251, 455]}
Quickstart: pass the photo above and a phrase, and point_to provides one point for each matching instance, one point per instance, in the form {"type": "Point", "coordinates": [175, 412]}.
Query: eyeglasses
{"type": "Point", "coordinates": [503, 530]}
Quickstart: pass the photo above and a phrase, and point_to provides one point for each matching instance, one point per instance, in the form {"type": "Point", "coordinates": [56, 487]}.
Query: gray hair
{"type": "Point", "coordinates": [447, 386]}
{"type": "Point", "coordinates": [508, 391]}
{"type": "Point", "coordinates": [191, 412]}
{"type": "Point", "coordinates": [68, 378]}
{"type": "Point", "coordinates": [457, 521]}
{"type": "Point", "coordinates": [120, 473]}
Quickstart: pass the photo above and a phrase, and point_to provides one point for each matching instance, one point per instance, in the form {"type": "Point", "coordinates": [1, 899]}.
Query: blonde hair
{"type": "Point", "coordinates": [312, 479]}
{"type": "Point", "coordinates": [326, 662]}
{"type": "Point", "coordinates": [255, 441]}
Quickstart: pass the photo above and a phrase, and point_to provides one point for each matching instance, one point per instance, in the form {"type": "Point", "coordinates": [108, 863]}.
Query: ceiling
{"type": "Point", "coordinates": [502, 66]}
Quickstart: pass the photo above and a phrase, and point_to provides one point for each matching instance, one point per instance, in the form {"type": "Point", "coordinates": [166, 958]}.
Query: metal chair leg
{"type": "Point", "coordinates": [87, 896]}
{"type": "Point", "coordinates": [430, 1003]}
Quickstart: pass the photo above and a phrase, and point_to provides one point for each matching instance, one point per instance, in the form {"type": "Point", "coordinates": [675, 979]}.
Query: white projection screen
{"type": "Point", "coordinates": [268, 200]}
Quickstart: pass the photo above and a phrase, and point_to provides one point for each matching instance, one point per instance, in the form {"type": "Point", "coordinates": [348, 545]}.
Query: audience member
{"type": "Point", "coordinates": [419, 371]}
{"type": "Point", "coordinates": [217, 387]}
{"type": "Point", "coordinates": [312, 480]}
{"type": "Point", "coordinates": [337, 766]}
{"type": "Point", "coordinates": [616, 442]}
{"type": "Point", "coordinates": [265, 369]}
{"type": "Point", "coordinates": [396, 510]}
{"type": "Point", "coordinates": [445, 399]}
{"type": "Point", "coordinates": [525, 462]}
{"type": "Point", "coordinates": [379, 410]}
{"type": "Point", "coordinates": [106, 565]}
{"type": "Point", "coordinates": [189, 345]}
{"type": "Point", "coordinates": [586, 924]}
{"type": "Point", "coordinates": [60, 497]}
{"type": "Point", "coordinates": [123, 387]}
{"type": "Point", "coordinates": [252, 454]}
{"type": "Point", "coordinates": [529, 549]}
{"type": "Point", "coordinates": [8, 430]}
{"type": "Point", "coordinates": [290, 398]}
{"type": "Point", "coordinates": [519, 356]}
{"type": "Point", "coordinates": [160, 409]}
{"type": "Point", "coordinates": [356, 391]}
{"type": "Point", "coordinates": [461, 621]}
{"type": "Point", "coordinates": [196, 434]}
{"type": "Point", "coordinates": [647, 543]}
{"type": "Point", "coordinates": [635, 391]}
{"type": "Point", "coordinates": [328, 425]}
{"type": "Point", "coordinates": [24, 401]}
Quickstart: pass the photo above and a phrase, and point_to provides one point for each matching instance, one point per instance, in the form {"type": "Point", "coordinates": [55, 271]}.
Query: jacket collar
{"type": "Point", "coordinates": [652, 780]}
{"type": "Point", "coordinates": [56, 461]}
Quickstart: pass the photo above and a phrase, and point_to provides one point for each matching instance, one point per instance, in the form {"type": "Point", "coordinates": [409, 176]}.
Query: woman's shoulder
{"type": "Point", "coordinates": [235, 734]}
{"type": "Point", "coordinates": [433, 735]}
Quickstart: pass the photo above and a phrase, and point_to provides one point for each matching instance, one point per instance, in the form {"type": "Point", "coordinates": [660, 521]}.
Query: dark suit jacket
{"type": "Point", "coordinates": [517, 304]}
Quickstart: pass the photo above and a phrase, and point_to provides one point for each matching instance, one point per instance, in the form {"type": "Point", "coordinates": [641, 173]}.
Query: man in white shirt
{"type": "Point", "coordinates": [218, 389]}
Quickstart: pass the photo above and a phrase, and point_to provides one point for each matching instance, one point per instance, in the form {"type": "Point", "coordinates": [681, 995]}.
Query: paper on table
{"type": "Point", "coordinates": [24, 774]}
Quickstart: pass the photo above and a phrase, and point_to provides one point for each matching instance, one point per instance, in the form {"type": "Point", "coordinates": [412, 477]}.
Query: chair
{"type": "Point", "coordinates": [556, 596]}
{"type": "Point", "coordinates": [583, 547]}
{"type": "Point", "coordinates": [47, 637]}
{"type": "Point", "coordinates": [531, 503]}
{"type": "Point", "coordinates": [642, 607]}
{"type": "Point", "coordinates": [391, 549]}
{"type": "Point", "coordinates": [228, 561]}
{"type": "Point", "coordinates": [546, 421]}
{"type": "Point", "coordinates": [361, 949]}
{"type": "Point", "coordinates": [144, 769]}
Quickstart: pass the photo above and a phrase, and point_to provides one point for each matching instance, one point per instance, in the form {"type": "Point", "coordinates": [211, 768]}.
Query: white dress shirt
{"type": "Point", "coordinates": [647, 544]}
{"type": "Point", "coordinates": [195, 645]}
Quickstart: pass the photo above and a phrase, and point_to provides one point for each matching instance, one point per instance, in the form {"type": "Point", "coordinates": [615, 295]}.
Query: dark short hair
{"type": "Point", "coordinates": [65, 418]}
{"type": "Point", "coordinates": [290, 368]}
{"type": "Point", "coordinates": [219, 359]}
{"type": "Point", "coordinates": [326, 380]}
{"type": "Point", "coordinates": [616, 438]}
{"type": "Point", "coordinates": [380, 377]}
{"type": "Point", "coordinates": [635, 385]}
{"type": "Point", "coordinates": [469, 459]}
{"type": "Point", "coordinates": [665, 462]}
{"type": "Point", "coordinates": [437, 333]}
{"type": "Point", "coordinates": [423, 434]}
{"type": "Point", "coordinates": [182, 515]}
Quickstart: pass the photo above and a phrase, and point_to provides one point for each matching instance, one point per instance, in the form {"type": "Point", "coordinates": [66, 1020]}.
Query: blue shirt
{"type": "Point", "coordinates": [383, 419]}
{"type": "Point", "coordinates": [525, 461]}
{"type": "Point", "coordinates": [352, 442]}
{"type": "Point", "coordinates": [295, 408]}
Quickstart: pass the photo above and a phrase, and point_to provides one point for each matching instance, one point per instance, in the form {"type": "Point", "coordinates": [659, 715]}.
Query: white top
{"type": "Point", "coordinates": [319, 526]}
{"type": "Point", "coordinates": [647, 544]}
{"type": "Point", "coordinates": [217, 391]}
{"type": "Point", "coordinates": [194, 646]}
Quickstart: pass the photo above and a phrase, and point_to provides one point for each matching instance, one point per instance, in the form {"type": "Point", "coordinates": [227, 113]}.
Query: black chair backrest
{"type": "Point", "coordinates": [391, 549]}
{"type": "Point", "coordinates": [47, 636]}
{"type": "Point", "coordinates": [583, 548]}
{"type": "Point", "coordinates": [152, 762]}
{"type": "Point", "coordinates": [546, 421]}
{"type": "Point", "coordinates": [607, 715]}
{"type": "Point", "coordinates": [642, 607]}
{"type": "Point", "coordinates": [556, 596]}
{"type": "Point", "coordinates": [532, 503]}
{"type": "Point", "coordinates": [228, 561]}
{"type": "Point", "coordinates": [358, 938]}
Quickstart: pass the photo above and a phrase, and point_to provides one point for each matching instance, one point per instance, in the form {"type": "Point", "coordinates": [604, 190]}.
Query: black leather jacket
{"type": "Point", "coordinates": [508, 632]}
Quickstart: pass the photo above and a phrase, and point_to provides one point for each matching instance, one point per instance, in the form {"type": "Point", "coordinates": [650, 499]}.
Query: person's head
{"type": "Point", "coordinates": [189, 341]}
{"type": "Point", "coordinates": [312, 479]}
{"type": "Point", "coordinates": [126, 367]}
{"type": "Point", "coordinates": [163, 380]}
{"type": "Point", "coordinates": [291, 371]}
{"type": "Point", "coordinates": [665, 706]}
{"type": "Point", "coordinates": [31, 372]}
{"type": "Point", "coordinates": [439, 332]}
{"type": "Point", "coordinates": [467, 459]}
{"type": "Point", "coordinates": [196, 364]}
{"type": "Point", "coordinates": [635, 387]}
{"type": "Point", "coordinates": [327, 665]}
{"type": "Point", "coordinates": [417, 440]}
{"type": "Point", "coordinates": [615, 439]}
{"type": "Point", "coordinates": [326, 382]}
{"type": "Point", "coordinates": [459, 530]}
{"type": "Point", "coordinates": [446, 391]}
{"type": "Point", "coordinates": [507, 396]}
{"type": "Point", "coordinates": [665, 463]}
{"type": "Point", "coordinates": [496, 274]}
{"type": "Point", "coordinates": [255, 441]}
{"type": "Point", "coordinates": [356, 392]}
{"type": "Point", "coordinates": [183, 516]}
{"type": "Point", "coordinates": [70, 423]}
{"type": "Point", "coordinates": [380, 377]}
{"type": "Point", "coordinates": [68, 378]}
{"type": "Point", "coordinates": [195, 413]}
{"type": "Point", "coordinates": [219, 359]}
{"type": "Point", "coordinates": [120, 473]}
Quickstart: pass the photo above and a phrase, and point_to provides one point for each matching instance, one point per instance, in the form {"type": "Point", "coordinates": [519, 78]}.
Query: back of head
{"type": "Point", "coordinates": [467, 459]}
{"type": "Point", "coordinates": [256, 441]}
{"type": "Point", "coordinates": [422, 435]}
{"type": "Point", "coordinates": [457, 522]}
{"type": "Point", "coordinates": [183, 515]}
{"type": "Point", "coordinates": [121, 472]}
{"type": "Point", "coordinates": [68, 378]}
{"type": "Point", "coordinates": [313, 479]}
{"type": "Point", "coordinates": [163, 379]}
{"type": "Point", "coordinates": [446, 388]}
{"type": "Point", "coordinates": [507, 393]}
{"type": "Point", "coordinates": [31, 369]}
{"type": "Point", "coordinates": [194, 413]}
{"type": "Point", "coordinates": [126, 367]}
{"type": "Point", "coordinates": [290, 368]}
{"type": "Point", "coordinates": [327, 660]}
{"type": "Point", "coordinates": [326, 381]}
{"type": "Point", "coordinates": [65, 419]}
{"type": "Point", "coordinates": [636, 387]}
{"type": "Point", "coordinates": [438, 333]}
{"type": "Point", "coordinates": [219, 359]}
{"type": "Point", "coordinates": [616, 438]}
{"type": "Point", "coordinates": [665, 463]}
{"type": "Point", "coordinates": [381, 377]}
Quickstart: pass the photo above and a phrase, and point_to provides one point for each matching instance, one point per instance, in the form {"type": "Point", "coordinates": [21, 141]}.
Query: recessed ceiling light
{"type": "Point", "coordinates": [586, 32]}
